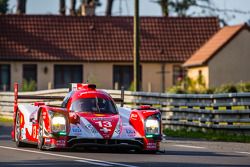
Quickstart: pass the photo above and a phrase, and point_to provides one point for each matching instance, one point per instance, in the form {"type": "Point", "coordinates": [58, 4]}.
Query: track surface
{"type": "Point", "coordinates": [177, 153]}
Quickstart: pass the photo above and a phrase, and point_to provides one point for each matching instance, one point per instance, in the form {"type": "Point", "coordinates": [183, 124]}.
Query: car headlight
{"type": "Point", "coordinates": [152, 126]}
{"type": "Point", "coordinates": [58, 124]}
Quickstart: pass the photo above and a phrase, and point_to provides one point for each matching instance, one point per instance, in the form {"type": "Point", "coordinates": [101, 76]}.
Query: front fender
{"type": "Point", "coordinates": [138, 117]}
{"type": "Point", "coordinates": [47, 115]}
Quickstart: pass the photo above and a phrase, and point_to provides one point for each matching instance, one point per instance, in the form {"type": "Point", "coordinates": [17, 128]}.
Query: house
{"type": "Point", "coordinates": [224, 58]}
{"type": "Point", "coordinates": [56, 50]}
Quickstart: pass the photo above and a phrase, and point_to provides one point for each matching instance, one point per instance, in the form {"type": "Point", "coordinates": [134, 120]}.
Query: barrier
{"type": "Point", "coordinates": [194, 111]}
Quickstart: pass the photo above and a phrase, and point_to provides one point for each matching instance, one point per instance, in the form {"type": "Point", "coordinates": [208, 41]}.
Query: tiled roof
{"type": "Point", "coordinates": [71, 38]}
{"type": "Point", "coordinates": [213, 45]}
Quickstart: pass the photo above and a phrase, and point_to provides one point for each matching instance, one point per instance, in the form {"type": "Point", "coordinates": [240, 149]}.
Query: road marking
{"type": "Point", "coordinates": [241, 152]}
{"type": "Point", "coordinates": [187, 146]}
{"type": "Point", "coordinates": [36, 164]}
{"type": "Point", "coordinates": [4, 136]}
{"type": "Point", "coordinates": [94, 163]}
{"type": "Point", "coordinates": [87, 160]}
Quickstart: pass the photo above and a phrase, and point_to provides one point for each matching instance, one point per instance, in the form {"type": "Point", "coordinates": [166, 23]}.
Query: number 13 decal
{"type": "Point", "coordinates": [105, 124]}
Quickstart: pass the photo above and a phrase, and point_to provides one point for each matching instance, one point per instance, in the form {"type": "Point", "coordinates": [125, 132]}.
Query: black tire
{"type": "Point", "coordinates": [40, 143]}
{"type": "Point", "coordinates": [18, 131]}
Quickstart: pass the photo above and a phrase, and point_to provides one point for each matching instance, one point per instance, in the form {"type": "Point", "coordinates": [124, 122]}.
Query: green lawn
{"type": "Point", "coordinates": [4, 120]}
{"type": "Point", "coordinates": [209, 135]}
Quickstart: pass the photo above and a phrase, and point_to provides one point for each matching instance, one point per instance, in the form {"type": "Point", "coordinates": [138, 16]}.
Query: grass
{"type": "Point", "coordinates": [5, 120]}
{"type": "Point", "coordinates": [208, 135]}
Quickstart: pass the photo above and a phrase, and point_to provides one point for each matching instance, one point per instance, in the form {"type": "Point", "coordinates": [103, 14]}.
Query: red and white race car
{"type": "Point", "coordinates": [88, 117]}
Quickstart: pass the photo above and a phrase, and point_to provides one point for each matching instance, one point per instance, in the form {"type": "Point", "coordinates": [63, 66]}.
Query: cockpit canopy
{"type": "Point", "coordinates": [96, 105]}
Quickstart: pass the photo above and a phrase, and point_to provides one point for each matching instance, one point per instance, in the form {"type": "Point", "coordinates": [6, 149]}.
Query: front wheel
{"type": "Point", "coordinates": [40, 133]}
{"type": "Point", "coordinates": [18, 131]}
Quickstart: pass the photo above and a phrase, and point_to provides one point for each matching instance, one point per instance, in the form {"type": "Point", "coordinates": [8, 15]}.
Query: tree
{"type": "Point", "coordinates": [72, 7]}
{"type": "Point", "coordinates": [89, 4]}
{"type": "Point", "coordinates": [109, 6]}
{"type": "Point", "coordinates": [21, 7]}
{"type": "Point", "coordinates": [62, 7]}
{"type": "Point", "coordinates": [178, 7]}
{"type": "Point", "coordinates": [95, 2]}
{"type": "Point", "coordinates": [164, 7]}
{"type": "Point", "coordinates": [3, 6]}
{"type": "Point", "coordinates": [206, 7]}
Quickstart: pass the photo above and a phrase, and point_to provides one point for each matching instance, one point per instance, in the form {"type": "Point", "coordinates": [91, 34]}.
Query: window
{"type": "Point", "coordinates": [123, 76]}
{"type": "Point", "coordinates": [66, 99]}
{"type": "Point", "coordinates": [30, 72]}
{"type": "Point", "coordinates": [4, 77]}
{"type": "Point", "coordinates": [96, 105]}
{"type": "Point", "coordinates": [65, 74]}
{"type": "Point", "coordinates": [178, 74]}
{"type": "Point", "coordinates": [199, 73]}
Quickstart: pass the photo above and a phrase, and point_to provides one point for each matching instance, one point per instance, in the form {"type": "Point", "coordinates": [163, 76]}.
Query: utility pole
{"type": "Point", "coordinates": [136, 47]}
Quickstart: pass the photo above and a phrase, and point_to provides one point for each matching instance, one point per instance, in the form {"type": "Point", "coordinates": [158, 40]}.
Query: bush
{"type": "Point", "coordinates": [198, 86]}
{"type": "Point", "coordinates": [176, 89]}
{"type": "Point", "coordinates": [132, 87]}
{"type": "Point", "coordinates": [243, 87]}
{"type": "Point", "coordinates": [226, 88]}
{"type": "Point", "coordinates": [189, 85]}
{"type": "Point", "coordinates": [29, 85]}
{"type": "Point", "coordinates": [210, 91]}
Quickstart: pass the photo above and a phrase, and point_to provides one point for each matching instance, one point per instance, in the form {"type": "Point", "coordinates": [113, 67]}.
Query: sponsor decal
{"type": "Point", "coordinates": [34, 132]}
{"type": "Point", "coordinates": [117, 130]}
{"type": "Point", "coordinates": [47, 140]}
{"type": "Point", "coordinates": [105, 126]}
{"type": "Point", "coordinates": [76, 130]}
{"type": "Point", "coordinates": [134, 116]}
{"type": "Point", "coordinates": [130, 132]}
{"type": "Point", "coordinates": [91, 128]}
{"type": "Point", "coordinates": [151, 145]}
{"type": "Point", "coordinates": [102, 119]}
{"type": "Point", "coordinates": [60, 143]}
{"type": "Point", "coordinates": [105, 130]}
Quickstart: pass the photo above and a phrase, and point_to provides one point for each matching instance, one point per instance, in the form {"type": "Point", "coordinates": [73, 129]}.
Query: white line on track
{"type": "Point", "coordinates": [4, 136]}
{"type": "Point", "coordinates": [188, 146]}
{"type": "Point", "coordinates": [35, 164]}
{"type": "Point", "coordinates": [85, 160]}
{"type": "Point", "coordinates": [94, 163]}
{"type": "Point", "coordinates": [241, 152]}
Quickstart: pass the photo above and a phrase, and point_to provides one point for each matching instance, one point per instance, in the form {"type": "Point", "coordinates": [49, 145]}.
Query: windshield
{"type": "Point", "coordinates": [97, 105]}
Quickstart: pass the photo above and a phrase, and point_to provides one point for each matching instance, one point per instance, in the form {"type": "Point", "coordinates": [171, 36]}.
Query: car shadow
{"type": "Point", "coordinates": [65, 163]}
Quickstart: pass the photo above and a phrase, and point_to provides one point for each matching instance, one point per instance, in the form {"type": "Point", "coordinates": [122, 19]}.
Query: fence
{"type": "Point", "coordinates": [219, 111]}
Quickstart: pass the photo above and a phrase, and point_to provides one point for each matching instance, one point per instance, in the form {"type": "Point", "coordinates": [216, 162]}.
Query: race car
{"type": "Point", "coordinates": [87, 117]}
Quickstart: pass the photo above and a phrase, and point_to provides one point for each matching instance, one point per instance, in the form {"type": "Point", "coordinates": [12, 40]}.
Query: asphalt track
{"type": "Point", "coordinates": [178, 152]}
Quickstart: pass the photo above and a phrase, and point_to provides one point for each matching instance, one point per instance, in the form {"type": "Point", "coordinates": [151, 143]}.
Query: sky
{"type": "Point", "coordinates": [147, 8]}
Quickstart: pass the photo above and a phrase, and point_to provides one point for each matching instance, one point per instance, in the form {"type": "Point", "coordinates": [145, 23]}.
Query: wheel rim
{"type": "Point", "coordinates": [17, 129]}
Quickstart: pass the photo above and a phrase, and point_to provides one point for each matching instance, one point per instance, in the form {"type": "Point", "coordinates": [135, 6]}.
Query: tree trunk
{"type": "Point", "coordinates": [62, 7]}
{"type": "Point", "coordinates": [164, 7]}
{"type": "Point", "coordinates": [109, 6]}
{"type": "Point", "coordinates": [73, 7]}
{"type": "Point", "coordinates": [21, 7]}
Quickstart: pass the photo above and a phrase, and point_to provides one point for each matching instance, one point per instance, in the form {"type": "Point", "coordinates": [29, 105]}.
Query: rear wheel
{"type": "Point", "coordinates": [18, 131]}
{"type": "Point", "coordinates": [40, 133]}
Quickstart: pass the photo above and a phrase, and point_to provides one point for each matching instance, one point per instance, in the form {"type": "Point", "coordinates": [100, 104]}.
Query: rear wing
{"type": "Point", "coordinates": [17, 96]}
